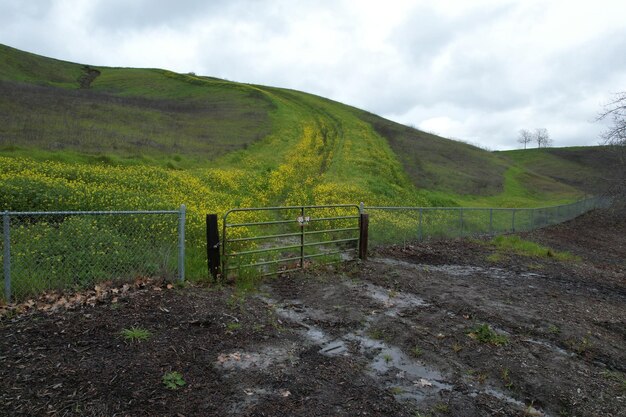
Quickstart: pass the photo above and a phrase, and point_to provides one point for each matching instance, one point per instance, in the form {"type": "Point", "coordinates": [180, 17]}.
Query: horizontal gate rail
{"type": "Point", "coordinates": [288, 221]}
{"type": "Point", "coordinates": [246, 239]}
{"type": "Point", "coordinates": [295, 258]}
{"type": "Point", "coordinates": [325, 224]}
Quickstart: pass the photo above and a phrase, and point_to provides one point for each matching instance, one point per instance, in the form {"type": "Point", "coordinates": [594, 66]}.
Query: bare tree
{"type": "Point", "coordinates": [525, 137]}
{"type": "Point", "coordinates": [542, 137]}
{"type": "Point", "coordinates": [615, 137]}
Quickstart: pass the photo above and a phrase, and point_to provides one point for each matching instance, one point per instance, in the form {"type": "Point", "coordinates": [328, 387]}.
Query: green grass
{"type": "Point", "coordinates": [585, 167]}
{"type": "Point", "coordinates": [515, 244]}
{"type": "Point", "coordinates": [485, 334]}
{"type": "Point", "coordinates": [135, 334]}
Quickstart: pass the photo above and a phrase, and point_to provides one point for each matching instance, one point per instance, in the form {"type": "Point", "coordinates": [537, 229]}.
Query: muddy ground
{"type": "Point", "coordinates": [432, 329]}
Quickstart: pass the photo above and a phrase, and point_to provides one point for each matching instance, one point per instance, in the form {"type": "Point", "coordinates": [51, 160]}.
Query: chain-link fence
{"type": "Point", "coordinates": [61, 250]}
{"type": "Point", "coordinates": [389, 225]}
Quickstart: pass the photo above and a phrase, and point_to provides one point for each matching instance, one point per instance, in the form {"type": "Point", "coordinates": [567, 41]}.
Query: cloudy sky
{"type": "Point", "coordinates": [476, 70]}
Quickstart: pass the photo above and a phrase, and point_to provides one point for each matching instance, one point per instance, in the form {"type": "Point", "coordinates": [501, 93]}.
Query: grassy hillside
{"type": "Point", "coordinates": [584, 167]}
{"type": "Point", "coordinates": [77, 137]}
{"type": "Point", "coordinates": [436, 163]}
{"type": "Point", "coordinates": [52, 110]}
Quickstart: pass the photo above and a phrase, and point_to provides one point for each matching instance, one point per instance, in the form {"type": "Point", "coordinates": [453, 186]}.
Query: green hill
{"type": "Point", "coordinates": [584, 167]}
{"type": "Point", "coordinates": [62, 123]}
{"type": "Point", "coordinates": [80, 114]}
{"type": "Point", "coordinates": [84, 137]}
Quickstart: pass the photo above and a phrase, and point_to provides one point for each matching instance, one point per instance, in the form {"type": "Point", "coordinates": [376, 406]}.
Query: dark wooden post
{"type": "Point", "coordinates": [213, 245]}
{"type": "Point", "coordinates": [364, 222]}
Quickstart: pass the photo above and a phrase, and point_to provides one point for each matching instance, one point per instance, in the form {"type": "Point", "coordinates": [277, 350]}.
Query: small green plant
{"type": "Point", "coordinates": [481, 377]}
{"type": "Point", "coordinates": [232, 326]}
{"type": "Point", "coordinates": [442, 408]}
{"type": "Point", "coordinates": [136, 334]}
{"type": "Point", "coordinates": [485, 334]}
{"type": "Point", "coordinates": [387, 357]}
{"type": "Point", "coordinates": [506, 377]}
{"type": "Point", "coordinates": [376, 334]}
{"type": "Point", "coordinates": [396, 390]}
{"type": "Point", "coordinates": [618, 377]}
{"type": "Point", "coordinates": [553, 329]}
{"type": "Point", "coordinates": [582, 346]}
{"type": "Point", "coordinates": [416, 351]}
{"type": "Point", "coordinates": [494, 257]}
{"type": "Point", "coordinates": [173, 380]}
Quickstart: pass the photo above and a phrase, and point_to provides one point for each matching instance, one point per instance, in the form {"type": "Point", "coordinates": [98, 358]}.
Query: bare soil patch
{"type": "Point", "coordinates": [432, 329]}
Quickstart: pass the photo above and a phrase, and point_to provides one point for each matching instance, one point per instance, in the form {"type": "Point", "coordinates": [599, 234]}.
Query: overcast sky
{"type": "Point", "coordinates": [476, 70]}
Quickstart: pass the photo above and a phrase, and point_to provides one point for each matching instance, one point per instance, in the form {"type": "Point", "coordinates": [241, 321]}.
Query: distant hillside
{"type": "Point", "coordinates": [433, 162]}
{"type": "Point", "coordinates": [585, 167]}
{"type": "Point", "coordinates": [233, 143]}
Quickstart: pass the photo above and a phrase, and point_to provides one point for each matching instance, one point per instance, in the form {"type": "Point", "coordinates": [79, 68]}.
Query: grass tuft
{"type": "Point", "coordinates": [515, 244]}
{"type": "Point", "coordinates": [485, 334]}
{"type": "Point", "coordinates": [136, 334]}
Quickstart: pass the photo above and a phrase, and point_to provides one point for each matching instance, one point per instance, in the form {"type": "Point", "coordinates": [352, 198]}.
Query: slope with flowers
{"type": "Point", "coordinates": [76, 137]}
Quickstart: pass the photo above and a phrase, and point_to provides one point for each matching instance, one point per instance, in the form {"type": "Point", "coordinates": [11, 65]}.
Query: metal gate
{"type": "Point", "coordinates": [273, 240]}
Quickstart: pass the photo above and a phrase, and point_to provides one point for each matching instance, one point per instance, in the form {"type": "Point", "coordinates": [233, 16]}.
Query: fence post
{"type": "Point", "coordinates": [513, 221]}
{"type": "Point", "coordinates": [419, 233]}
{"type": "Point", "coordinates": [364, 221]}
{"type": "Point", "coordinates": [213, 245]}
{"type": "Point", "coordinates": [181, 243]}
{"type": "Point", "coordinates": [491, 221]}
{"type": "Point", "coordinates": [7, 256]}
{"type": "Point", "coordinates": [302, 239]}
{"type": "Point", "coordinates": [461, 220]}
{"type": "Point", "coordinates": [532, 219]}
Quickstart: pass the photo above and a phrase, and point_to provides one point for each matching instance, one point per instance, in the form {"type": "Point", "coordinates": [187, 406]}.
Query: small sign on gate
{"type": "Point", "coordinates": [304, 220]}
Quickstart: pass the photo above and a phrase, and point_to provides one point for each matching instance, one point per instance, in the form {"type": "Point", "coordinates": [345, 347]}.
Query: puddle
{"type": "Point", "coordinates": [393, 301]}
{"type": "Point", "coordinates": [460, 270]}
{"type": "Point", "coordinates": [252, 396]}
{"type": "Point", "coordinates": [388, 364]}
{"type": "Point", "coordinates": [549, 346]}
{"type": "Point", "coordinates": [335, 347]}
{"type": "Point", "coordinates": [263, 359]}
{"type": "Point", "coordinates": [502, 396]}
{"type": "Point", "coordinates": [409, 377]}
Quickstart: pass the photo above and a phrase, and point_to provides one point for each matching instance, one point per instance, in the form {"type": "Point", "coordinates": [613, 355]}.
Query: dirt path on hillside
{"type": "Point", "coordinates": [433, 329]}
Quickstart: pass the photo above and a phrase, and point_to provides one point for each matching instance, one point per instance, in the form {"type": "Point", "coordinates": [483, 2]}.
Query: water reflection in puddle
{"type": "Point", "coordinates": [460, 270]}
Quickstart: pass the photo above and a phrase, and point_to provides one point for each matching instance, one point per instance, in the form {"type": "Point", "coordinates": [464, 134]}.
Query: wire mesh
{"type": "Point", "coordinates": [393, 225]}
{"type": "Point", "coordinates": [72, 250]}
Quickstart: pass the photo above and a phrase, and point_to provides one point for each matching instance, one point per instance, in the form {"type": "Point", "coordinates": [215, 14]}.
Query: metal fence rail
{"type": "Point", "coordinates": [403, 224]}
{"type": "Point", "coordinates": [270, 240]}
{"type": "Point", "coordinates": [73, 249]}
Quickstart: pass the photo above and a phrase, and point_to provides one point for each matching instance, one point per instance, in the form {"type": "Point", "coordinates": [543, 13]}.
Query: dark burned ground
{"type": "Point", "coordinates": [388, 337]}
